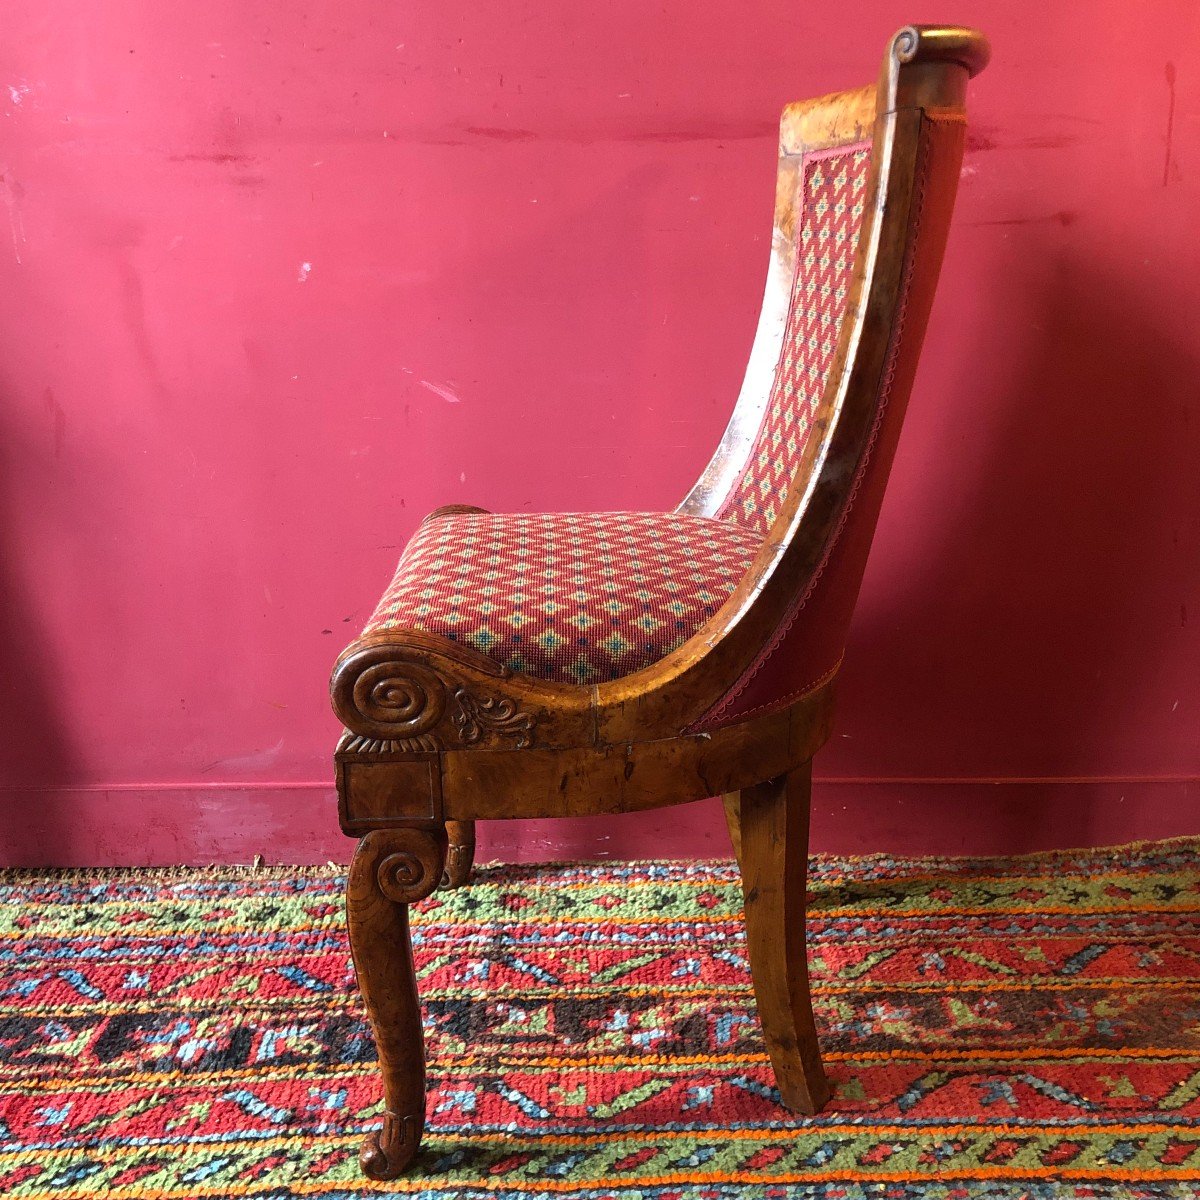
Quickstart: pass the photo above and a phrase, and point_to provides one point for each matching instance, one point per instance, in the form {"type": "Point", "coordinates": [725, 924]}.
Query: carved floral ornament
{"type": "Point", "coordinates": [392, 705]}
{"type": "Point", "coordinates": [476, 717]}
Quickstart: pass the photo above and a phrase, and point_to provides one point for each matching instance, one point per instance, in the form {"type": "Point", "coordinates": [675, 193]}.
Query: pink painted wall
{"type": "Point", "coordinates": [278, 279]}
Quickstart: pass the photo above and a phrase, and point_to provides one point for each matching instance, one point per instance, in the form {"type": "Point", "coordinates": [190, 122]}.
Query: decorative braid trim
{"type": "Point", "coordinates": [790, 697]}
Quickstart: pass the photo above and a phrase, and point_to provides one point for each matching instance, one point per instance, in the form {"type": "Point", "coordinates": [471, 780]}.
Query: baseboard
{"type": "Point", "coordinates": [194, 824]}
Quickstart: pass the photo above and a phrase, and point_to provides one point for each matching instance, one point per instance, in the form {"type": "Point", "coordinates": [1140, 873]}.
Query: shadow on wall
{"type": "Point", "coordinates": [36, 752]}
{"type": "Point", "coordinates": [1074, 496]}
{"type": "Point", "coordinates": [1079, 497]}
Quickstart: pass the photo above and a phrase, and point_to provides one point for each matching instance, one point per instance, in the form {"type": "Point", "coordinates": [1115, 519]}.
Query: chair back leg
{"type": "Point", "coordinates": [769, 826]}
{"type": "Point", "coordinates": [733, 818]}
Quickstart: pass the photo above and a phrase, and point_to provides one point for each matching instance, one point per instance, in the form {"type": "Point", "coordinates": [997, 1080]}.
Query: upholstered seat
{"type": "Point", "coordinates": [573, 597]}
{"type": "Point", "coordinates": [566, 664]}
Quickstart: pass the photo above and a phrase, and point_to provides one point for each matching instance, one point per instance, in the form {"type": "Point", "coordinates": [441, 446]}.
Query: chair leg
{"type": "Point", "coordinates": [733, 818]}
{"type": "Point", "coordinates": [772, 820]}
{"type": "Point", "coordinates": [392, 868]}
{"type": "Point", "coordinates": [460, 856]}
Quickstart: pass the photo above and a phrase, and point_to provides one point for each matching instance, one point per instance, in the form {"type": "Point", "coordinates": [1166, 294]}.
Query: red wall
{"type": "Point", "coordinates": [278, 279]}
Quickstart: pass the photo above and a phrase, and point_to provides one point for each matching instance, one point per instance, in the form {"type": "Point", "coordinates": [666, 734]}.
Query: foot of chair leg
{"type": "Point", "coordinates": [460, 853]}
{"type": "Point", "coordinates": [392, 868]}
{"type": "Point", "coordinates": [773, 820]}
{"type": "Point", "coordinates": [387, 1153]}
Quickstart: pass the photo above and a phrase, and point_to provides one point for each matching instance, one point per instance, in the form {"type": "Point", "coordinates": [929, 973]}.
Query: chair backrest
{"type": "Point", "coordinates": [865, 189]}
{"type": "Point", "coordinates": [818, 232]}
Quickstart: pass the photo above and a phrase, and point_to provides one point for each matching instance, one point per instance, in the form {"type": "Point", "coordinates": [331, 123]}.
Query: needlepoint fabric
{"type": "Point", "coordinates": [828, 226]}
{"type": "Point", "coordinates": [572, 597]}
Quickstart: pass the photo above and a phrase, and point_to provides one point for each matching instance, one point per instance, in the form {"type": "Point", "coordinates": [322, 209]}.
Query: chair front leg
{"type": "Point", "coordinates": [393, 868]}
{"type": "Point", "coordinates": [461, 853]}
{"type": "Point", "coordinates": [771, 824]}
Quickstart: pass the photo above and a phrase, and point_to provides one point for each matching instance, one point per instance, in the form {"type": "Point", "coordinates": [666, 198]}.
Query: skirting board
{"type": "Point", "coordinates": [297, 823]}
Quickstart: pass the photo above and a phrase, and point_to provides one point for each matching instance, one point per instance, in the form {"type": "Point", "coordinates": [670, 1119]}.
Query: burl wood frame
{"type": "Point", "coordinates": [439, 736]}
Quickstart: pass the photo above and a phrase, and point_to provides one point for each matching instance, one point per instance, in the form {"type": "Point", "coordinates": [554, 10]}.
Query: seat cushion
{"type": "Point", "coordinates": [573, 597]}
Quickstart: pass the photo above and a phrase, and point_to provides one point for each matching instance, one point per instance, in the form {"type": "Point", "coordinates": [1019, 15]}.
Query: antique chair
{"type": "Point", "coordinates": [553, 665]}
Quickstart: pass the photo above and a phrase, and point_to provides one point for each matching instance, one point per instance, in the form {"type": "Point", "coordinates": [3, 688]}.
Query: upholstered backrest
{"type": "Point", "coordinates": [827, 216]}
{"type": "Point", "coordinates": [865, 190]}
{"type": "Point", "coordinates": [826, 151]}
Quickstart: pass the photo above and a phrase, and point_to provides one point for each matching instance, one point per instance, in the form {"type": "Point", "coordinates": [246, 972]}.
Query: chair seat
{"type": "Point", "coordinates": [571, 597]}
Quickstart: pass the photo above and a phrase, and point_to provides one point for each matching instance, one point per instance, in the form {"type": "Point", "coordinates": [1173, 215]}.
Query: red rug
{"type": "Point", "coordinates": [994, 1028]}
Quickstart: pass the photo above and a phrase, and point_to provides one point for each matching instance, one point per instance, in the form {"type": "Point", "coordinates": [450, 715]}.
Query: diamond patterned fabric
{"type": "Point", "coordinates": [572, 597]}
{"type": "Point", "coordinates": [828, 227]}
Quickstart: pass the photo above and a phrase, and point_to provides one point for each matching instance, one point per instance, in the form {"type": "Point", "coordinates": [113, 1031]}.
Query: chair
{"type": "Point", "coordinates": [554, 665]}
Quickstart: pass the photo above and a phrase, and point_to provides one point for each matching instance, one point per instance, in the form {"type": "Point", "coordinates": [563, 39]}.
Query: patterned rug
{"type": "Point", "coordinates": [994, 1028]}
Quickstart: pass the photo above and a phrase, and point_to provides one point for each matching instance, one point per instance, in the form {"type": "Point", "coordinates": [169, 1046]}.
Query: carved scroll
{"type": "Point", "coordinates": [393, 704]}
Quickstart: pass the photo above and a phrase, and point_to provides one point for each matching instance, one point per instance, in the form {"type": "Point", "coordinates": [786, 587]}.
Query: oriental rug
{"type": "Point", "coordinates": [1026, 1027]}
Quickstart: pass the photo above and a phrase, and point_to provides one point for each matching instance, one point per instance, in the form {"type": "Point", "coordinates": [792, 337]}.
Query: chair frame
{"type": "Point", "coordinates": [438, 735]}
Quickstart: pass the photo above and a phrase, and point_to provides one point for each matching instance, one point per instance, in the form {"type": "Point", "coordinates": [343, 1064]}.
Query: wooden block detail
{"type": "Point", "coordinates": [376, 794]}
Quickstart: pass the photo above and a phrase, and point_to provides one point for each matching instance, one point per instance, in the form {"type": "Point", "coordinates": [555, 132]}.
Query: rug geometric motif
{"type": "Point", "coordinates": [992, 1028]}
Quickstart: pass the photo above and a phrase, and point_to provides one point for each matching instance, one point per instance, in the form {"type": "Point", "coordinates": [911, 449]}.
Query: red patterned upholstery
{"type": "Point", "coordinates": [574, 597]}
{"type": "Point", "coordinates": [828, 228]}
{"type": "Point", "coordinates": [807, 646]}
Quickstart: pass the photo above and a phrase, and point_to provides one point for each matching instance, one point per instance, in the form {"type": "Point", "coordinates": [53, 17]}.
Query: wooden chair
{"type": "Point", "coordinates": [555, 665]}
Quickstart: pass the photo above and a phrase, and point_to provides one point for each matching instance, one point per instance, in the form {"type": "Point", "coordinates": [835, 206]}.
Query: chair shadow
{"type": "Point", "coordinates": [1073, 515]}
{"type": "Point", "coordinates": [37, 751]}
